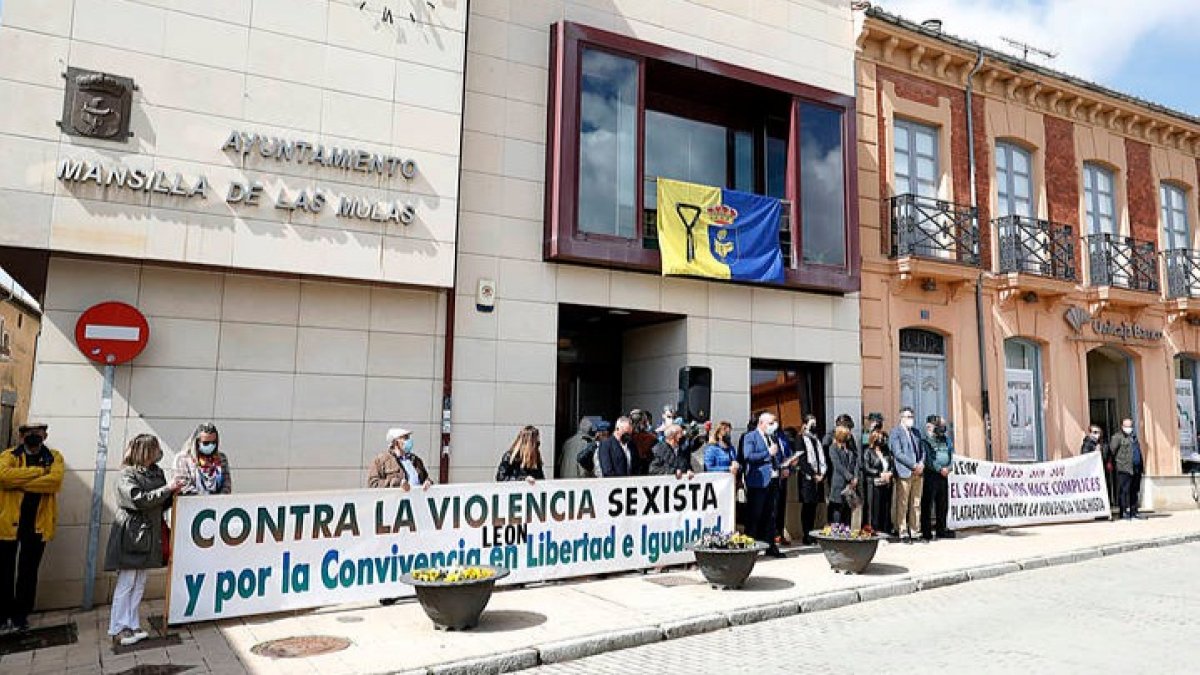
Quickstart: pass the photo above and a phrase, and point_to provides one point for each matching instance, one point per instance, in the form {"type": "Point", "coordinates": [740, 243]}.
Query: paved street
{"type": "Point", "coordinates": [1138, 612]}
{"type": "Point", "coordinates": [522, 626]}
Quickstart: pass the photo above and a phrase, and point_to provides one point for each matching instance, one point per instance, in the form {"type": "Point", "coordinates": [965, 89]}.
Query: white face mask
{"type": "Point", "coordinates": [772, 427]}
{"type": "Point", "coordinates": [907, 422]}
{"type": "Point", "coordinates": [207, 448]}
{"type": "Point", "coordinates": [1128, 430]}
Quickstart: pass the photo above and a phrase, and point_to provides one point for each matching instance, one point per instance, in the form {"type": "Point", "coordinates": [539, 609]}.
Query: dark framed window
{"type": "Point", "coordinates": [624, 113]}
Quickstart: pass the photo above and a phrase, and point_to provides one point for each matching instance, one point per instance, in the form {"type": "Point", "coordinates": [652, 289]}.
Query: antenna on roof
{"type": "Point", "coordinates": [1027, 48]}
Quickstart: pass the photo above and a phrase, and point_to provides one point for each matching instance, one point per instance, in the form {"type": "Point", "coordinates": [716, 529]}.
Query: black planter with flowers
{"type": "Point", "coordinates": [848, 551]}
{"type": "Point", "coordinates": [726, 560]}
{"type": "Point", "coordinates": [455, 598]}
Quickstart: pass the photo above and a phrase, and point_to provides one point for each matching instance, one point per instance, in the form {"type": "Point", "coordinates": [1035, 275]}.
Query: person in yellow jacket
{"type": "Point", "coordinates": [31, 475]}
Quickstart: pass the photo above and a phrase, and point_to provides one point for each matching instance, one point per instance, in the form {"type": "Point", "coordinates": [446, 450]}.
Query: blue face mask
{"type": "Point", "coordinates": [207, 448]}
{"type": "Point", "coordinates": [408, 445]}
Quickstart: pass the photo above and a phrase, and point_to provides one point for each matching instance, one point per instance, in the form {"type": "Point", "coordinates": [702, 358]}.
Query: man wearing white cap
{"type": "Point", "coordinates": [398, 467]}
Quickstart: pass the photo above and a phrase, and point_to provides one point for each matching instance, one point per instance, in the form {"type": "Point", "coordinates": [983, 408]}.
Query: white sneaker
{"type": "Point", "coordinates": [139, 635]}
{"type": "Point", "coordinates": [124, 638]}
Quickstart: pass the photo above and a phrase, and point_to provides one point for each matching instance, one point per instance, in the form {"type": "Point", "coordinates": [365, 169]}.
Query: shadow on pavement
{"type": "Point", "coordinates": [504, 620]}
{"type": "Point", "coordinates": [883, 570]}
{"type": "Point", "coordinates": [757, 583]}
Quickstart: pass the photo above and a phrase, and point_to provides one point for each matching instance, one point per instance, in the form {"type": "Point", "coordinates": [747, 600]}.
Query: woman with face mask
{"type": "Point", "coordinates": [812, 468]}
{"type": "Point", "coordinates": [202, 467]}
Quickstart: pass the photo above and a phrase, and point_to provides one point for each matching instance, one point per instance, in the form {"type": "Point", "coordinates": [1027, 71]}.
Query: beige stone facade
{"type": "Point", "coordinates": [303, 333]}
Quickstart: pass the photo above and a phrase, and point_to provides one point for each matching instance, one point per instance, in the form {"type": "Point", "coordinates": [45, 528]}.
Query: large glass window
{"type": "Point", "coordinates": [1014, 181]}
{"type": "Point", "coordinates": [822, 186]}
{"type": "Point", "coordinates": [916, 159]}
{"type": "Point", "coordinates": [608, 136]}
{"type": "Point", "coordinates": [685, 149]}
{"type": "Point", "coordinates": [1098, 199]}
{"type": "Point", "coordinates": [1176, 233]}
{"type": "Point", "coordinates": [625, 113]}
{"type": "Point", "coordinates": [1023, 401]}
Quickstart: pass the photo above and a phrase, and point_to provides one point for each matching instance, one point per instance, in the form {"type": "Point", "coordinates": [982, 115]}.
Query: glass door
{"type": "Point", "coordinates": [1023, 401]}
{"type": "Point", "coordinates": [916, 173]}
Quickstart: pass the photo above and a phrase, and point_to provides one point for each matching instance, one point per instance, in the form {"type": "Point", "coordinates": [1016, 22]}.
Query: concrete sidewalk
{"type": "Point", "coordinates": [550, 623]}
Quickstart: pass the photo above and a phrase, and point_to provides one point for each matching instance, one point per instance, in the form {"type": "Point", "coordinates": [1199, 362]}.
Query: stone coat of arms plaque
{"type": "Point", "coordinates": [97, 105]}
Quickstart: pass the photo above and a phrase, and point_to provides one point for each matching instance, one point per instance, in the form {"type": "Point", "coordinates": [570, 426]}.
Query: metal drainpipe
{"type": "Point", "coordinates": [984, 392]}
{"type": "Point", "coordinates": [448, 345]}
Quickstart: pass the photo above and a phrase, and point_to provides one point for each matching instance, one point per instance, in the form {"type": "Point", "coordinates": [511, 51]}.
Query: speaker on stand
{"type": "Point", "coordinates": [695, 393]}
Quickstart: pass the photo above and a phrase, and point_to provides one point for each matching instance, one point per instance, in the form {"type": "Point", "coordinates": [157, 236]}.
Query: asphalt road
{"type": "Point", "coordinates": [1137, 612]}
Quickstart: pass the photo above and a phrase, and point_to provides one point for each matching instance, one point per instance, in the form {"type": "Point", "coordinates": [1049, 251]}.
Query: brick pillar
{"type": "Point", "coordinates": [1062, 181]}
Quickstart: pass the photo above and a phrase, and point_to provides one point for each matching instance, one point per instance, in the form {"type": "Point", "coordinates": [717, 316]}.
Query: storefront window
{"type": "Point", "coordinates": [1023, 401]}
{"type": "Point", "coordinates": [608, 110]}
{"type": "Point", "coordinates": [822, 186]}
{"type": "Point", "coordinates": [1187, 381]}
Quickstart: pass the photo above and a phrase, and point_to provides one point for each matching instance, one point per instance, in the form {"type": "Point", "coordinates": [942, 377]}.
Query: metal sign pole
{"type": "Point", "coordinates": [93, 544]}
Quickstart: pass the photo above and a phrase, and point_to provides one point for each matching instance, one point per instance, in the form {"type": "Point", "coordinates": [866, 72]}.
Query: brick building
{"type": "Point", "coordinates": [1053, 283]}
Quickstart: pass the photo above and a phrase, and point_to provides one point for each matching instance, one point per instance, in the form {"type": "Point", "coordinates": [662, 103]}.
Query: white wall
{"type": "Point", "coordinates": [315, 70]}
{"type": "Point", "coordinates": [505, 361]}
{"type": "Point", "coordinates": [652, 357]}
{"type": "Point", "coordinates": [302, 378]}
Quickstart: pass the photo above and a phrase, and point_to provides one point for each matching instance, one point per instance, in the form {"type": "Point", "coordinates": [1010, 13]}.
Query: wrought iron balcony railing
{"type": "Point", "coordinates": [1034, 246]}
{"type": "Point", "coordinates": [934, 229]}
{"type": "Point", "coordinates": [1182, 267]}
{"type": "Point", "coordinates": [1123, 262]}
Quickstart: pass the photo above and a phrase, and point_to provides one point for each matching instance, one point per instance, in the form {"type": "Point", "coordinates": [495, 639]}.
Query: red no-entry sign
{"type": "Point", "coordinates": [111, 333]}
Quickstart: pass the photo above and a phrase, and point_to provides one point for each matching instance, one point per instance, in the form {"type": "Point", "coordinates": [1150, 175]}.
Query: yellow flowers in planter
{"type": "Point", "coordinates": [454, 575]}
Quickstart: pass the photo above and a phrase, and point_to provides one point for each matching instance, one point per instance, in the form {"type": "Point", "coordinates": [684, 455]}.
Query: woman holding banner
{"type": "Point", "coordinates": [523, 461]}
{"type": "Point", "coordinates": [135, 543]}
{"type": "Point", "coordinates": [202, 466]}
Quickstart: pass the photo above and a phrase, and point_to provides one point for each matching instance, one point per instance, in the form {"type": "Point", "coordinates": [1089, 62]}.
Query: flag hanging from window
{"type": "Point", "coordinates": [706, 231]}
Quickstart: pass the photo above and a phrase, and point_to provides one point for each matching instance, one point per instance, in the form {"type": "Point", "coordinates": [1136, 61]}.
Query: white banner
{"type": "Point", "coordinates": [1022, 416]}
{"type": "Point", "coordinates": [236, 555]}
{"type": "Point", "coordinates": [1185, 402]}
{"type": "Point", "coordinates": [990, 493]}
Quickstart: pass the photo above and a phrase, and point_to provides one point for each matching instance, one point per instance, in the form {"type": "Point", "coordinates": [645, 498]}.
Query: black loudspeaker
{"type": "Point", "coordinates": [695, 393]}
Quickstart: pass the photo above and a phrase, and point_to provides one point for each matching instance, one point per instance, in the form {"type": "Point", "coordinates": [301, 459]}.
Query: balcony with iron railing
{"type": "Point", "coordinates": [1035, 246]}
{"type": "Point", "coordinates": [934, 229]}
{"type": "Point", "coordinates": [1122, 262]}
{"type": "Point", "coordinates": [1181, 270]}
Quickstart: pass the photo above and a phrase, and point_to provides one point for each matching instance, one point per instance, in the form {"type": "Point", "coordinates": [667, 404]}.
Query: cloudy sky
{"type": "Point", "coordinates": [1147, 48]}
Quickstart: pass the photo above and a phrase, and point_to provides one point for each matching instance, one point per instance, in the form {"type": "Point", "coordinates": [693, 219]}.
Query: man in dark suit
{"type": "Point", "coordinates": [763, 456]}
{"type": "Point", "coordinates": [618, 457]}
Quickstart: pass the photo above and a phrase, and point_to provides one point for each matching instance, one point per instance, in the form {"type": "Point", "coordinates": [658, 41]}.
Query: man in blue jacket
{"type": "Point", "coordinates": [763, 456]}
{"type": "Point", "coordinates": [935, 499]}
{"type": "Point", "coordinates": [905, 444]}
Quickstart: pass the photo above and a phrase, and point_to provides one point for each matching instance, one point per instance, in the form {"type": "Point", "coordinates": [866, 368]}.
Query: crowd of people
{"type": "Point", "coordinates": [895, 482]}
